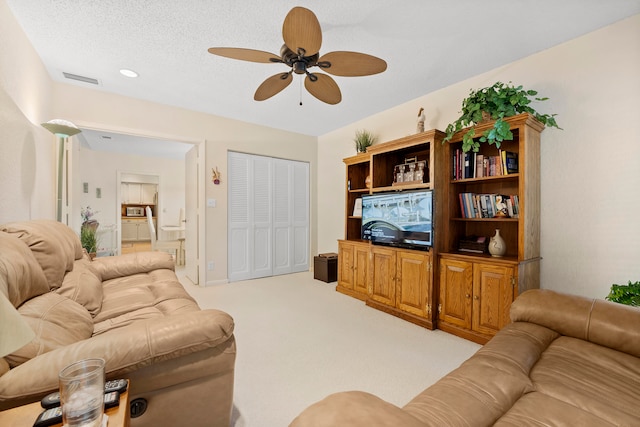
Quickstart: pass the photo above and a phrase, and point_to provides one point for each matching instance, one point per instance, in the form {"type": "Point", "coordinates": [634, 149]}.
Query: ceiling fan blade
{"type": "Point", "coordinates": [324, 88]}
{"type": "Point", "coordinates": [272, 86]}
{"type": "Point", "coordinates": [301, 30]}
{"type": "Point", "coordinates": [245, 54]}
{"type": "Point", "coordinates": [352, 64]}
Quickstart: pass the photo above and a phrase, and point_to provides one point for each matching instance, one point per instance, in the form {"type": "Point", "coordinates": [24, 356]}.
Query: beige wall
{"type": "Point", "coordinates": [590, 170]}
{"type": "Point", "coordinates": [26, 149]}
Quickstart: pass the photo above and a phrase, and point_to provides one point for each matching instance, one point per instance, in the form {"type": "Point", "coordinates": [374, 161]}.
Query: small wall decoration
{"type": "Point", "coordinates": [216, 176]}
{"type": "Point", "coordinates": [85, 187]}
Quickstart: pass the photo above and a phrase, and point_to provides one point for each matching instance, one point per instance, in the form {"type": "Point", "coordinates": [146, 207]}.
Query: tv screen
{"type": "Point", "coordinates": [402, 219]}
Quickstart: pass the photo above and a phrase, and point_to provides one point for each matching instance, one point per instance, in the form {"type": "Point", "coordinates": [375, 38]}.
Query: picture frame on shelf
{"type": "Point", "coordinates": [357, 207]}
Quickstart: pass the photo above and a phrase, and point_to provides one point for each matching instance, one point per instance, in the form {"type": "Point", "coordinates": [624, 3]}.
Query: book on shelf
{"type": "Point", "coordinates": [509, 162]}
{"type": "Point", "coordinates": [473, 205]}
{"type": "Point", "coordinates": [476, 165]}
{"type": "Point", "coordinates": [474, 244]}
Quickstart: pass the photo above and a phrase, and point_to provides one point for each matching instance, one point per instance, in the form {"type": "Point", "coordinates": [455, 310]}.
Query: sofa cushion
{"type": "Point", "coordinates": [601, 322]}
{"type": "Point", "coordinates": [54, 245]}
{"type": "Point", "coordinates": [596, 379]}
{"type": "Point", "coordinates": [83, 285]}
{"type": "Point", "coordinates": [57, 322]}
{"type": "Point", "coordinates": [21, 277]}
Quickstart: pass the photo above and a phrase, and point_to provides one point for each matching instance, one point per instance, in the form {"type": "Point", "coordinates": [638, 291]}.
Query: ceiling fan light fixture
{"type": "Point", "coordinates": [128, 73]}
{"type": "Point", "coordinates": [301, 51]}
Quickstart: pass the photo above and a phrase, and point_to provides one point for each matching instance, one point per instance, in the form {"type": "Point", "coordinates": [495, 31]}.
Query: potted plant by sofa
{"type": "Point", "coordinates": [625, 294]}
{"type": "Point", "coordinates": [89, 231]}
{"type": "Point", "coordinates": [364, 139]}
{"type": "Point", "coordinates": [89, 239]}
{"type": "Point", "coordinates": [495, 102]}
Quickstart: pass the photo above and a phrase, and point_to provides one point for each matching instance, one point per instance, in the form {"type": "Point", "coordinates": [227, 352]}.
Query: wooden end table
{"type": "Point", "coordinates": [25, 416]}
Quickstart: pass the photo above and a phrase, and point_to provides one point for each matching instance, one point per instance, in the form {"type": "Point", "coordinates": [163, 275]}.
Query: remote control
{"type": "Point", "coordinates": [115, 385]}
{"type": "Point", "coordinates": [49, 417]}
{"type": "Point", "coordinates": [52, 400]}
{"type": "Point", "coordinates": [111, 399]}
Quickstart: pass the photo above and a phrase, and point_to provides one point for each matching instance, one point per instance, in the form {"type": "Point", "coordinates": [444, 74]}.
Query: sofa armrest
{"type": "Point", "coordinates": [598, 321]}
{"type": "Point", "coordinates": [130, 264]}
{"type": "Point", "coordinates": [124, 350]}
{"type": "Point", "coordinates": [354, 408]}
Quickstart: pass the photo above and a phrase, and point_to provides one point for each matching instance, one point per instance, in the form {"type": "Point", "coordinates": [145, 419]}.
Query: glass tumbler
{"type": "Point", "coordinates": [82, 393]}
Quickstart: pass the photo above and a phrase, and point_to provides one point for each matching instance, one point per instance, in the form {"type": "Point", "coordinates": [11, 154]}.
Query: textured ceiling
{"type": "Point", "coordinates": [428, 45]}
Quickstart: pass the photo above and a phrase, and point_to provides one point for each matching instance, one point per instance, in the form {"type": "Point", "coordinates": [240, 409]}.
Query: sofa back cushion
{"type": "Point", "coordinates": [601, 322]}
{"type": "Point", "coordinates": [53, 244]}
{"type": "Point", "coordinates": [21, 277]}
{"type": "Point", "coordinates": [83, 285]}
{"type": "Point", "coordinates": [57, 322]}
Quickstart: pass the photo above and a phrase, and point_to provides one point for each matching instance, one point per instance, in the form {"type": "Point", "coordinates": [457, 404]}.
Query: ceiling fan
{"type": "Point", "coordinates": [301, 50]}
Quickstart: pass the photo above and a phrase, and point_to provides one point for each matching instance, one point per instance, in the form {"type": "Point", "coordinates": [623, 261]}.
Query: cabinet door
{"type": "Point", "coordinates": [456, 287]}
{"type": "Point", "coordinates": [412, 282]}
{"type": "Point", "coordinates": [361, 270]}
{"type": "Point", "coordinates": [124, 193]}
{"type": "Point", "coordinates": [148, 194]}
{"type": "Point", "coordinates": [383, 275]}
{"type": "Point", "coordinates": [129, 230]}
{"type": "Point", "coordinates": [346, 264]}
{"type": "Point", "coordinates": [143, 230]}
{"type": "Point", "coordinates": [133, 193]}
{"type": "Point", "coordinates": [492, 297]}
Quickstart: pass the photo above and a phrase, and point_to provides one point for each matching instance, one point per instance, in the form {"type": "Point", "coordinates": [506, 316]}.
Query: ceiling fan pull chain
{"type": "Point", "coordinates": [300, 80]}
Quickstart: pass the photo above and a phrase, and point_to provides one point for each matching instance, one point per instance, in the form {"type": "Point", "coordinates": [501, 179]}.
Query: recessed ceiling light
{"type": "Point", "coordinates": [128, 73]}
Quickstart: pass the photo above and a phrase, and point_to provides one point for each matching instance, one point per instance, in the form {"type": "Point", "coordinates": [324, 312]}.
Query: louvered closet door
{"type": "Point", "coordinates": [261, 208]}
{"type": "Point", "coordinates": [290, 216]}
{"type": "Point", "coordinates": [300, 216]}
{"type": "Point", "coordinates": [268, 216]}
{"type": "Point", "coordinates": [238, 266]}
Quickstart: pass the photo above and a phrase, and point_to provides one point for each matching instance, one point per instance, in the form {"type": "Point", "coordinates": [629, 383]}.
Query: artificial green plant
{"type": "Point", "coordinates": [625, 294]}
{"type": "Point", "coordinates": [496, 102]}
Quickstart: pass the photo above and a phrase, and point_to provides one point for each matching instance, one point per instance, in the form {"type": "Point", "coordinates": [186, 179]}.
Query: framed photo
{"type": "Point", "coordinates": [357, 207]}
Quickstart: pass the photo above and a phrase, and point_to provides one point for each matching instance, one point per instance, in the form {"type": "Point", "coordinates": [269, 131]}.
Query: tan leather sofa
{"type": "Point", "coordinates": [129, 310]}
{"type": "Point", "coordinates": [564, 361]}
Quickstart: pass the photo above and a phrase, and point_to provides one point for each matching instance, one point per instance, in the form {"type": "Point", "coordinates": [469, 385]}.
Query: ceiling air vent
{"type": "Point", "coordinates": [81, 78]}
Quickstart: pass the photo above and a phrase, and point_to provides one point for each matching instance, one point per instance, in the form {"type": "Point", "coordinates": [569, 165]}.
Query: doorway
{"type": "Point", "coordinates": [102, 156]}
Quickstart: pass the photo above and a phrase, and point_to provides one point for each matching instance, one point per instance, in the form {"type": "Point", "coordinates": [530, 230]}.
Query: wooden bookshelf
{"type": "Point", "coordinates": [476, 290]}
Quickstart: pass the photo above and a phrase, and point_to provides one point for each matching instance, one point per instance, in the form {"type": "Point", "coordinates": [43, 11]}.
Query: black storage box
{"type": "Point", "coordinates": [325, 267]}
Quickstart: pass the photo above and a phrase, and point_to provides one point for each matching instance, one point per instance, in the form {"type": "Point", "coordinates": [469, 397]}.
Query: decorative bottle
{"type": "Point", "coordinates": [497, 247]}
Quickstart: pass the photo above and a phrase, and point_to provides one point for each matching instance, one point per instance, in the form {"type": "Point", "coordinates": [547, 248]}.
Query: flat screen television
{"type": "Point", "coordinates": [402, 219]}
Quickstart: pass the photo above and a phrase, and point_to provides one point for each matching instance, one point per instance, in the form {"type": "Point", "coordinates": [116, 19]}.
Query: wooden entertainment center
{"type": "Point", "coordinates": [465, 293]}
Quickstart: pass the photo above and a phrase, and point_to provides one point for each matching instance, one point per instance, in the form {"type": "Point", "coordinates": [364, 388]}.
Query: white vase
{"type": "Point", "coordinates": [497, 247]}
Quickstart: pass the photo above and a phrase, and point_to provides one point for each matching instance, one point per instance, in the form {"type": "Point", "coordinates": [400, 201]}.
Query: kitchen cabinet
{"type": "Point", "coordinates": [136, 230]}
{"type": "Point", "coordinates": [133, 193]}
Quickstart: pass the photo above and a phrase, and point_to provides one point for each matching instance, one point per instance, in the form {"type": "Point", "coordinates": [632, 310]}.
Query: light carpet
{"type": "Point", "coordinates": [299, 340]}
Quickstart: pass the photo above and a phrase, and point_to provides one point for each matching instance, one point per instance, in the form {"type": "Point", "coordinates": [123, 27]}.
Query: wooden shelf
{"type": "Point", "coordinates": [505, 219]}
{"type": "Point", "coordinates": [513, 176]}
{"type": "Point", "coordinates": [401, 187]}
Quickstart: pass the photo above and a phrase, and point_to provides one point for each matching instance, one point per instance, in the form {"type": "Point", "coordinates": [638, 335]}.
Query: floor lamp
{"type": "Point", "coordinates": [63, 129]}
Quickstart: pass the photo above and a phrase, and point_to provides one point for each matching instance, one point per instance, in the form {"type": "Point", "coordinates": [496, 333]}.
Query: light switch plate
{"type": "Point", "coordinates": [211, 203]}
